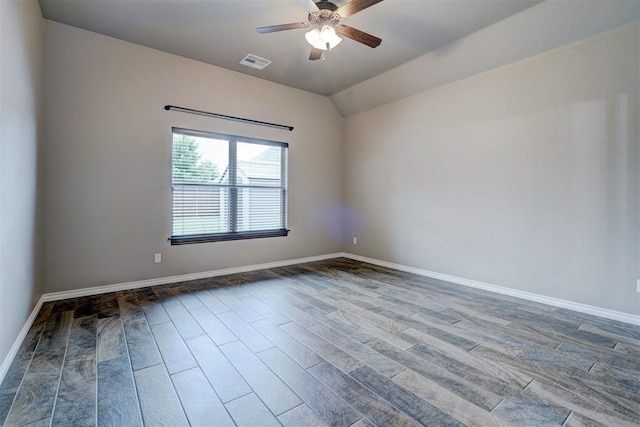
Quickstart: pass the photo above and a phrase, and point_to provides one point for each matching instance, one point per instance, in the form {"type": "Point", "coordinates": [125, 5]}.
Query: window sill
{"type": "Point", "coordinates": [222, 237]}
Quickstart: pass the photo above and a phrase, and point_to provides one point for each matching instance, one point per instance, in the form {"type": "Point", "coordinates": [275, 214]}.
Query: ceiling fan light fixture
{"type": "Point", "coordinates": [319, 38]}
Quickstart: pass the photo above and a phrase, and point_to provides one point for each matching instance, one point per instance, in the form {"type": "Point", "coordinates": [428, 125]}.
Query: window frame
{"type": "Point", "coordinates": [234, 187]}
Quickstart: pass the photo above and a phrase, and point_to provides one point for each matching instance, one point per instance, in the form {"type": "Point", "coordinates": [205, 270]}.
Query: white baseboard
{"type": "Point", "coordinates": [13, 351]}
{"type": "Point", "coordinates": [55, 296]}
{"type": "Point", "coordinates": [556, 302]}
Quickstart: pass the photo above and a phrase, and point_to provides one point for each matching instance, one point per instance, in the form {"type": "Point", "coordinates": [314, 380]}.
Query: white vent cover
{"type": "Point", "coordinates": [254, 61]}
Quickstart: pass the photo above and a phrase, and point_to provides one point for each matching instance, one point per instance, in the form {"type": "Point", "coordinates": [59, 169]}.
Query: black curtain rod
{"type": "Point", "coordinates": [225, 117]}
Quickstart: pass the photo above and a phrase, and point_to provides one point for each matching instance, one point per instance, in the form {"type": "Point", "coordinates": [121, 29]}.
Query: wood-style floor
{"type": "Point", "coordinates": [336, 343]}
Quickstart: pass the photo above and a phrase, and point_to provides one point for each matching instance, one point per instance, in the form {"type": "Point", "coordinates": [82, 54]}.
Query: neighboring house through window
{"type": "Point", "coordinates": [227, 187]}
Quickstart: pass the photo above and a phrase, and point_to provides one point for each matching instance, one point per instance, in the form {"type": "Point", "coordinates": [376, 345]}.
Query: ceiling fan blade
{"type": "Point", "coordinates": [355, 6]}
{"type": "Point", "coordinates": [359, 36]}
{"type": "Point", "coordinates": [283, 27]}
{"type": "Point", "coordinates": [315, 54]}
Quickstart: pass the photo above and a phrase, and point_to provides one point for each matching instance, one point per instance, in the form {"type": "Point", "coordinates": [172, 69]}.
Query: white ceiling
{"type": "Point", "coordinates": [222, 32]}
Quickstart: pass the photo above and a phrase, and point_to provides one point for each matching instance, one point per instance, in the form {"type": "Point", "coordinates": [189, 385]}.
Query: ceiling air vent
{"type": "Point", "coordinates": [255, 61]}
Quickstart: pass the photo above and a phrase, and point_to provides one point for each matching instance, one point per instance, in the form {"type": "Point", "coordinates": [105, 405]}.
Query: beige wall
{"type": "Point", "coordinates": [525, 177]}
{"type": "Point", "coordinates": [20, 218]}
{"type": "Point", "coordinates": [108, 198]}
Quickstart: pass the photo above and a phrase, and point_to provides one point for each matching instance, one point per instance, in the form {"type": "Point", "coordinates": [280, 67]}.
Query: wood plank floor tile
{"type": "Point", "coordinates": [367, 355]}
{"type": "Point", "coordinates": [35, 398]}
{"type": "Point", "coordinates": [158, 400]}
{"type": "Point", "coordinates": [183, 321]}
{"type": "Point", "coordinates": [406, 401]}
{"type": "Point", "coordinates": [154, 311]}
{"type": "Point", "coordinates": [293, 348]}
{"type": "Point", "coordinates": [372, 330]}
{"type": "Point", "coordinates": [200, 402]}
{"type": "Point", "coordinates": [117, 396]}
{"type": "Point", "coordinates": [141, 344]}
{"type": "Point", "coordinates": [385, 347]}
{"type": "Point", "coordinates": [577, 420]}
{"type": "Point", "coordinates": [245, 332]}
{"type": "Point", "coordinates": [529, 410]}
{"type": "Point", "coordinates": [463, 388]}
{"type": "Point", "coordinates": [214, 328]}
{"type": "Point", "coordinates": [174, 350]}
{"type": "Point", "coordinates": [212, 302]}
{"type": "Point", "coordinates": [449, 402]}
{"type": "Point", "coordinates": [301, 416]}
{"type": "Point", "coordinates": [362, 399]}
{"type": "Point", "coordinates": [18, 368]}
{"type": "Point", "coordinates": [108, 305]}
{"type": "Point", "coordinates": [56, 332]}
{"type": "Point", "coordinates": [76, 399]}
{"type": "Point", "coordinates": [249, 411]}
{"type": "Point", "coordinates": [323, 402]}
{"type": "Point", "coordinates": [322, 347]}
{"type": "Point", "coordinates": [224, 378]}
{"type": "Point", "coordinates": [269, 388]}
{"type": "Point", "coordinates": [231, 298]}
{"type": "Point", "coordinates": [273, 315]}
{"type": "Point", "coordinates": [111, 342]}
{"type": "Point", "coordinates": [291, 312]}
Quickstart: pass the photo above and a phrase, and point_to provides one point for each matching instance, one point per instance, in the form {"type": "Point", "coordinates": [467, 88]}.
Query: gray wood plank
{"type": "Point", "coordinates": [372, 329]}
{"type": "Point", "coordinates": [111, 342]}
{"type": "Point", "coordinates": [142, 347]}
{"type": "Point", "coordinates": [224, 378]}
{"type": "Point", "coordinates": [173, 349]}
{"type": "Point", "coordinates": [291, 312]}
{"type": "Point", "coordinates": [36, 396]}
{"type": "Point", "coordinates": [184, 322]}
{"type": "Point", "coordinates": [231, 298]}
{"type": "Point", "coordinates": [328, 351]}
{"type": "Point", "coordinates": [293, 348]}
{"type": "Point", "coordinates": [367, 355]}
{"type": "Point", "coordinates": [243, 330]}
{"type": "Point", "coordinates": [273, 315]}
{"type": "Point", "coordinates": [158, 400]}
{"type": "Point", "coordinates": [323, 402]}
{"type": "Point", "coordinates": [200, 402]}
{"type": "Point", "coordinates": [56, 332]}
{"type": "Point", "coordinates": [117, 396]}
{"type": "Point", "coordinates": [154, 311]}
{"type": "Point", "coordinates": [409, 403]}
{"type": "Point", "coordinates": [212, 302]}
{"type": "Point", "coordinates": [18, 368]}
{"type": "Point", "coordinates": [463, 388]}
{"type": "Point", "coordinates": [214, 328]}
{"type": "Point", "coordinates": [301, 416]}
{"type": "Point", "coordinates": [271, 390]}
{"type": "Point", "coordinates": [449, 402]}
{"type": "Point", "coordinates": [76, 399]}
{"type": "Point", "coordinates": [528, 409]}
{"type": "Point", "coordinates": [249, 411]}
{"type": "Point", "coordinates": [362, 399]}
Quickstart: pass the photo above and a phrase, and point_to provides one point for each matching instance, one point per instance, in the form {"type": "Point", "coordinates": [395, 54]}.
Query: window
{"type": "Point", "coordinates": [227, 187]}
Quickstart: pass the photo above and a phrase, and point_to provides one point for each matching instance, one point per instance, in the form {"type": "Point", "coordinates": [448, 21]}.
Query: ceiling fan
{"type": "Point", "coordinates": [325, 20]}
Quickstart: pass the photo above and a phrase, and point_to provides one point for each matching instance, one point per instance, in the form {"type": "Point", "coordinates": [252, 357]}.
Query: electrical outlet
{"type": "Point", "coordinates": [355, 240]}
{"type": "Point", "coordinates": [157, 258]}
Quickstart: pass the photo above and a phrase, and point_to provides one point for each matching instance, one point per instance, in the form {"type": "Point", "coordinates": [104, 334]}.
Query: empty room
{"type": "Point", "coordinates": [319, 213]}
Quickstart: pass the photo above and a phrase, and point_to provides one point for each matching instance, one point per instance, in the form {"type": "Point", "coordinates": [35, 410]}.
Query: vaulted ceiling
{"type": "Point", "coordinates": [222, 32]}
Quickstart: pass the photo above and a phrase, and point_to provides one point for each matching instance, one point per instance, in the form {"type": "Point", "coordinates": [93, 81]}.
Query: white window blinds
{"type": "Point", "coordinates": [227, 187]}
